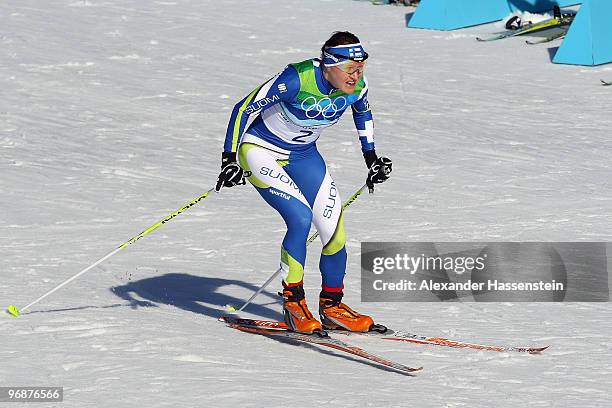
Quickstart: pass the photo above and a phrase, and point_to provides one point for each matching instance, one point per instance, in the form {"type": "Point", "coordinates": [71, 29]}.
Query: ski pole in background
{"type": "Point", "coordinates": [279, 270]}
{"type": "Point", "coordinates": [14, 311]}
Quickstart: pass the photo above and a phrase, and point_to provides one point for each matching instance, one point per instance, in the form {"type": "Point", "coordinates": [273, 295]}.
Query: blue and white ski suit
{"type": "Point", "coordinates": [274, 132]}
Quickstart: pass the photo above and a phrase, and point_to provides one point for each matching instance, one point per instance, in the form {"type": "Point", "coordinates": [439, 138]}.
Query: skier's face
{"type": "Point", "coordinates": [345, 76]}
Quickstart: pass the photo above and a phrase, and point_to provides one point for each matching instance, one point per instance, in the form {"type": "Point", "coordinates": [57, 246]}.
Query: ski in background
{"type": "Point", "coordinates": [605, 83]}
{"type": "Point", "coordinates": [559, 20]}
{"type": "Point", "coordinates": [388, 334]}
{"type": "Point", "coordinates": [548, 39]}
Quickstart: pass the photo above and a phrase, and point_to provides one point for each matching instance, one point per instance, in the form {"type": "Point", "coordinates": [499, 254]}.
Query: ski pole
{"type": "Point", "coordinates": [14, 311]}
{"type": "Point", "coordinates": [279, 270]}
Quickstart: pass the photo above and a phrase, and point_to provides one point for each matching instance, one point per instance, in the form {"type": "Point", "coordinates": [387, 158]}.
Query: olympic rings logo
{"type": "Point", "coordinates": [323, 107]}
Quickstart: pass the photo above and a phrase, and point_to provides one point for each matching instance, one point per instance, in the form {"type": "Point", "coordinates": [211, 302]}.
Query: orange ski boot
{"type": "Point", "coordinates": [295, 310]}
{"type": "Point", "coordinates": [337, 315]}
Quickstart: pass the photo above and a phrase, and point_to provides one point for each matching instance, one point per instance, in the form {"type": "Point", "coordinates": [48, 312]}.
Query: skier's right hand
{"type": "Point", "coordinates": [231, 173]}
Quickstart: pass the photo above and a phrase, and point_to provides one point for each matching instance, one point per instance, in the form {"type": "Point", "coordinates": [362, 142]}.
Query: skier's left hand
{"type": "Point", "coordinates": [379, 169]}
{"type": "Point", "coordinates": [231, 174]}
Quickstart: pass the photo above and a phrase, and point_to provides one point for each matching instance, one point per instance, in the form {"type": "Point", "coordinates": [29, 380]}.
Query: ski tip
{"type": "Point", "coordinates": [409, 370]}
{"type": "Point", "coordinates": [13, 311]}
{"type": "Point", "coordinates": [539, 349]}
{"type": "Point", "coordinates": [604, 83]}
{"type": "Point", "coordinates": [228, 318]}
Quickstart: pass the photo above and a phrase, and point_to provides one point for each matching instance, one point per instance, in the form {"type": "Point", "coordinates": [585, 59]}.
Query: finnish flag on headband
{"type": "Point", "coordinates": [342, 53]}
{"type": "Point", "coordinates": [356, 53]}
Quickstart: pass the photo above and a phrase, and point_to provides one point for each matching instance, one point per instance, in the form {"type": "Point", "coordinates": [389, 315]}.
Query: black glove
{"type": "Point", "coordinates": [379, 169]}
{"type": "Point", "coordinates": [231, 173]}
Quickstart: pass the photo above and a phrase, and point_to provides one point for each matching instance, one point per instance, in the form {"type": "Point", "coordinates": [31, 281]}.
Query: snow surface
{"type": "Point", "coordinates": [112, 116]}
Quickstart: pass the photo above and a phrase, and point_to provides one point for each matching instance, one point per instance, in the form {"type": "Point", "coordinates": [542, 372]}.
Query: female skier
{"type": "Point", "coordinates": [272, 133]}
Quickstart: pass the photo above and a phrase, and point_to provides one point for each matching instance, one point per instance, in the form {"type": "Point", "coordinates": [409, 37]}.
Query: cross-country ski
{"type": "Point", "coordinates": [559, 35]}
{"type": "Point", "coordinates": [390, 335]}
{"type": "Point", "coordinates": [321, 338]}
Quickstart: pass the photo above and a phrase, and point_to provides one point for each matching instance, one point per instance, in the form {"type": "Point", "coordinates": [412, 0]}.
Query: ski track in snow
{"type": "Point", "coordinates": [113, 115]}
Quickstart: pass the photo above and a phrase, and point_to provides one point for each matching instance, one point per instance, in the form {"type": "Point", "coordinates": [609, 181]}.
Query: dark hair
{"type": "Point", "coordinates": [340, 38]}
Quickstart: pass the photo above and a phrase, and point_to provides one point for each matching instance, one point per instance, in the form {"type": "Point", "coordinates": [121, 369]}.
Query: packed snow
{"type": "Point", "coordinates": [113, 115]}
